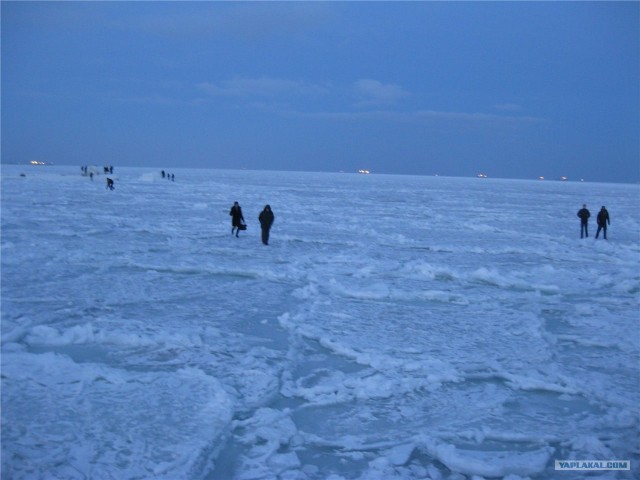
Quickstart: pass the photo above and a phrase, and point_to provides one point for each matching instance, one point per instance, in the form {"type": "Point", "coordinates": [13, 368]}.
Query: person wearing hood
{"type": "Point", "coordinates": [266, 218]}
{"type": "Point", "coordinates": [603, 221]}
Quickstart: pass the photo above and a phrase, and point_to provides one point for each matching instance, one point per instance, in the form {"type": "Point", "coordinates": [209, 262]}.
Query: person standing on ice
{"type": "Point", "coordinates": [584, 215]}
{"type": "Point", "coordinates": [603, 221]}
{"type": "Point", "coordinates": [237, 219]}
{"type": "Point", "coordinates": [266, 218]}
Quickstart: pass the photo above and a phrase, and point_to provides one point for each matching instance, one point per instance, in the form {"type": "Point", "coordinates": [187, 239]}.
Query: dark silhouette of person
{"type": "Point", "coordinates": [266, 218]}
{"type": "Point", "coordinates": [110, 185]}
{"type": "Point", "coordinates": [237, 219]}
{"type": "Point", "coordinates": [584, 215]}
{"type": "Point", "coordinates": [603, 221]}
{"type": "Point", "coordinates": [162, 173]}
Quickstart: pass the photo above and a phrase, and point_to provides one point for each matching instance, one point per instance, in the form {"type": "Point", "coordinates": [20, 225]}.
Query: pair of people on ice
{"type": "Point", "coordinates": [266, 218]}
{"type": "Point", "coordinates": [602, 219]}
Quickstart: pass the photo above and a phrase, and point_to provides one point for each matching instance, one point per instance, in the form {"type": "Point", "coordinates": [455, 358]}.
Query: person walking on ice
{"type": "Point", "coordinates": [237, 219]}
{"type": "Point", "coordinates": [584, 215]}
{"type": "Point", "coordinates": [603, 221]}
{"type": "Point", "coordinates": [266, 218]}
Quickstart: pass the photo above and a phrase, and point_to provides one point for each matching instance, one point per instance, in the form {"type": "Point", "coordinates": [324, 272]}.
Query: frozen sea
{"type": "Point", "coordinates": [396, 327]}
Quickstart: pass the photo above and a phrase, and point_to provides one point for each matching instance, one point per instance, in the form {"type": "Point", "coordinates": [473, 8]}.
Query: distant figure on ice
{"type": "Point", "coordinates": [162, 173]}
{"type": "Point", "coordinates": [237, 219]}
{"type": "Point", "coordinates": [110, 184]}
{"type": "Point", "coordinates": [603, 221]}
{"type": "Point", "coordinates": [584, 215]}
{"type": "Point", "coordinates": [266, 218]}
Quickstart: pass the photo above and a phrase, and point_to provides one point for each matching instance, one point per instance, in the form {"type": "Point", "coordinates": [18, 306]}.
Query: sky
{"type": "Point", "coordinates": [509, 89]}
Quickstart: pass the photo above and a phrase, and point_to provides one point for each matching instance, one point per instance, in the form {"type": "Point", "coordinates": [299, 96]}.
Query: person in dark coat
{"type": "Point", "coordinates": [584, 215]}
{"type": "Point", "coordinates": [237, 219]}
{"type": "Point", "coordinates": [266, 218]}
{"type": "Point", "coordinates": [603, 221]}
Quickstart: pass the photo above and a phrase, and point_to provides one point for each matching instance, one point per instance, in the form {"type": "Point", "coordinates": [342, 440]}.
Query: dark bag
{"type": "Point", "coordinates": [242, 227]}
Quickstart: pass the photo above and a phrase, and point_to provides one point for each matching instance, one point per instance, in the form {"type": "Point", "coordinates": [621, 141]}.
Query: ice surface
{"type": "Point", "coordinates": [396, 327]}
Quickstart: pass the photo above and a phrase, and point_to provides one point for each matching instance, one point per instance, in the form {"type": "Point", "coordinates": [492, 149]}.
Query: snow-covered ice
{"type": "Point", "coordinates": [396, 327]}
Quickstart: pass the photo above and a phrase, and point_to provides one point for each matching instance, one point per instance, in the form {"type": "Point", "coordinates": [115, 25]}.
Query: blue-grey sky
{"type": "Point", "coordinates": [511, 89]}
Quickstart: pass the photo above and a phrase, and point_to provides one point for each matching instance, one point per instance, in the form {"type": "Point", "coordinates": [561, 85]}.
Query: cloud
{"type": "Point", "coordinates": [373, 92]}
{"type": "Point", "coordinates": [368, 92]}
{"type": "Point", "coordinates": [260, 87]}
{"type": "Point", "coordinates": [275, 94]}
